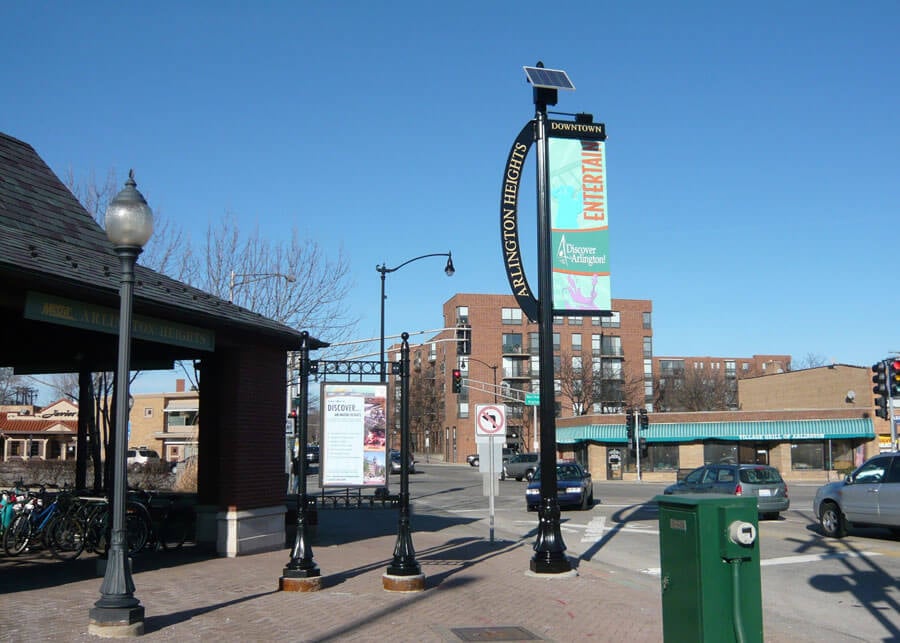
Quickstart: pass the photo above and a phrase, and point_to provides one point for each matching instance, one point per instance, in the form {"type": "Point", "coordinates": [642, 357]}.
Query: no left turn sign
{"type": "Point", "coordinates": [490, 419]}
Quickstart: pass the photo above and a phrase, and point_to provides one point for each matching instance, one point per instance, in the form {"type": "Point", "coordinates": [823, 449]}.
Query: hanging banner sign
{"type": "Point", "coordinates": [579, 219]}
{"type": "Point", "coordinates": [509, 223]}
{"type": "Point", "coordinates": [354, 435]}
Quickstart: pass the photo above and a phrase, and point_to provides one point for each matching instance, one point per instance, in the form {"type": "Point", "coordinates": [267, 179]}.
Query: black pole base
{"type": "Point", "coordinates": [116, 622]}
{"type": "Point", "coordinates": [301, 572]}
{"type": "Point", "coordinates": [549, 548]}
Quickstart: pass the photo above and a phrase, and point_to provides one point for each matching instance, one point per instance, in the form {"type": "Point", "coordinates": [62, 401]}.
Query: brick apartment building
{"type": "Point", "coordinates": [496, 349]}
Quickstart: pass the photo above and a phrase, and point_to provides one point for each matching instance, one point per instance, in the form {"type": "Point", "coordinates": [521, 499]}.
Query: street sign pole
{"type": "Point", "coordinates": [491, 477]}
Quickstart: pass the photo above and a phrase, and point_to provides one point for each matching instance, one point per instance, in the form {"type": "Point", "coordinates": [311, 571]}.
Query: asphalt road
{"type": "Point", "coordinates": [823, 588]}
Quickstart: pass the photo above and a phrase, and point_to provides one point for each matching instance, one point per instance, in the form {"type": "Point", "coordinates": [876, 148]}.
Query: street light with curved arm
{"type": "Point", "coordinates": [493, 368]}
{"type": "Point", "coordinates": [448, 270]}
{"type": "Point", "coordinates": [250, 277]}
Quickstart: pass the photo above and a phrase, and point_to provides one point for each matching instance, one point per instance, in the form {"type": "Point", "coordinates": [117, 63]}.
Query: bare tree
{"type": "Point", "coordinates": [579, 385]}
{"type": "Point", "coordinates": [695, 389]}
{"type": "Point", "coordinates": [9, 383]}
{"type": "Point", "coordinates": [811, 360]}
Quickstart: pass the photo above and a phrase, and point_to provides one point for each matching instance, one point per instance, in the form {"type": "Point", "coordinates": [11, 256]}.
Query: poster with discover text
{"type": "Point", "coordinates": [354, 435]}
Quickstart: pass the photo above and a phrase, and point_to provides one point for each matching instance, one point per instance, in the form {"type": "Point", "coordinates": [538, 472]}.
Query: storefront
{"type": "Point", "coordinates": [802, 449]}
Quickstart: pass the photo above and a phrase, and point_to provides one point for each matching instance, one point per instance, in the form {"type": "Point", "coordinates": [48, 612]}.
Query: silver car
{"type": "Point", "coordinates": [762, 481]}
{"type": "Point", "coordinates": [868, 497]}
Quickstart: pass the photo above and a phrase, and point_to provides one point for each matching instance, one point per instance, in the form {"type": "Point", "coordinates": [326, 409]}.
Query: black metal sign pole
{"type": "Point", "coordinates": [549, 548]}
{"type": "Point", "coordinates": [404, 572]}
{"type": "Point", "coordinates": [301, 572]}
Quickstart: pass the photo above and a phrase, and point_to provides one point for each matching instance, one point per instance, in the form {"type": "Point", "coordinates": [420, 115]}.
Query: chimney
{"type": "Point", "coordinates": [179, 386]}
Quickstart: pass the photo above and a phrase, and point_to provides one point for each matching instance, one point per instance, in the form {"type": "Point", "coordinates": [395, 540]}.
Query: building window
{"type": "Point", "coordinates": [576, 342]}
{"type": "Point", "coordinates": [612, 346]}
{"type": "Point", "coordinates": [555, 342]}
{"type": "Point", "coordinates": [648, 347]}
{"type": "Point", "coordinates": [808, 455]}
{"type": "Point", "coordinates": [576, 369]}
{"type": "Point", "coordinates": [512, 315]}
{"type": "Point", "coordinates": [148, 411]}
{"type": "Point", "coordinates": [646, 320]}
{"type": "Point", "coordinates": [730, 370]}
{"type": "Point", "coordinates": [463, 410]}
{"type": "Point", "coordinates": [575, 321]}
{"type": "Point", "coordinates": [535, 364]}
{"type": "Point", "coordinates": [595, 345]}
{"type": "Point", "coordinates": [512, 342]}
{"type": "Point", "coordinates": [720, 452]}
{"type": "Point", "coordinates": [534, 343]}
{"type": "Point", "coordinates": [671, 367]}
{"type": "Point", "coordinates": [660, 457]}
{"type": "Point", "coordinates": [611, 321]}
{"type": "Point", "coordinates": [462, 314]}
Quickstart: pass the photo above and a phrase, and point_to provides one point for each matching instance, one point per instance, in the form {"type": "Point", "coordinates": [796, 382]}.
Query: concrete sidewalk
{"type": "Point", "coordinates": [475, 591]}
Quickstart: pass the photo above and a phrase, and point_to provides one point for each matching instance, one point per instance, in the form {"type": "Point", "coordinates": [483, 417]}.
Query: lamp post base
{"type": "Point", "coordinates": [117, 622]}
{"type": "Point", "coordinates": [392, 583]}
{"type": "Point", "coordinates": [292, 582]}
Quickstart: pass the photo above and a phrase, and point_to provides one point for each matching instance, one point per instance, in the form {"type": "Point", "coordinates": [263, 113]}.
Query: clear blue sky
{"type": "Point", "coordinates": [753, 164]}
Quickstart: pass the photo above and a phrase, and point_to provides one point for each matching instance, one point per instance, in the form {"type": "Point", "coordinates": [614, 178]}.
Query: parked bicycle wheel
{"type": "Point", "coordinates": [65, 537]}
{"type": "Point", "coordinates": [137, 527]}
{"type": "Point", "coordinates": [16, 537]}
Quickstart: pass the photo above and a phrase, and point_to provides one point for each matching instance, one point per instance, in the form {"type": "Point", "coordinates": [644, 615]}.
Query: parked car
{"type": "Point", "coordinates": [574, 487]}
{"type": "Point", "coordinates": [141, 456]}
{"type": "Point", "coordinates": [522, 465]}
{"type": "Point", "coordinates": [396, 462]}
{"type": "Point", "coordinates": [868, 497]}
{"type": "Point", "coordinates": [758, 480]}
{"type": "Point", "coordinates": [474, 460]}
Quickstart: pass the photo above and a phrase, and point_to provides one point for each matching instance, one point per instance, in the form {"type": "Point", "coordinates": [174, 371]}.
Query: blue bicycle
{"type": "Point", "coordinates": [28, 525]}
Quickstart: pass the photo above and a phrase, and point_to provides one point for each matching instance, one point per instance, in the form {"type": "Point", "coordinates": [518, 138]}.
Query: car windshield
{"type": "Point", "coordinates": [760, 475]}
{"type": "Point", "coordinates": [563, 472]}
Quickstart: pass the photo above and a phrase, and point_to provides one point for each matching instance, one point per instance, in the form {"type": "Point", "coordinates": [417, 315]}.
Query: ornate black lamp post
{"type": "Point", "coordinates": [301, 573]}
{"type": "Point", "coordinates": [448, 269]}
{"type": "Point", "coordinates": [549, 548]}
{"type": "Point", "coordinates": [404, 573]}
{"type": "Point", "coordinates": [118, 613]}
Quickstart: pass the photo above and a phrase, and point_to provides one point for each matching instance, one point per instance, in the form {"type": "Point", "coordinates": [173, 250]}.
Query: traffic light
{"type": "Point", "coordinates": [881, 389]}
{"type": "Point", "coordinates": [644, 419]}
{"type": "Point", "coordinates": [629, 427]}
{"type": "Point", "coordinates": [643, 445]}
{"type": "Point", "coordinates": [893, 376]}
{"type": "Point", "coordinates": [457, 380]}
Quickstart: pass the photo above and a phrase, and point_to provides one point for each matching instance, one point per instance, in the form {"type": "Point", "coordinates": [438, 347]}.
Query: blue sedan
{"type": "Point", "coordinates": [574, 487]}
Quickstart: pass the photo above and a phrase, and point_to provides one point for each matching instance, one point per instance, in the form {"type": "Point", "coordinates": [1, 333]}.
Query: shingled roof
{"type": "Point", "coordinates": [49, 242]}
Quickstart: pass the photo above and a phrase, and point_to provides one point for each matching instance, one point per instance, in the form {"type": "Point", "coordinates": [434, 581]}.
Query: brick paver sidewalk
{"type": "Point", "coordinates": [475, 590]}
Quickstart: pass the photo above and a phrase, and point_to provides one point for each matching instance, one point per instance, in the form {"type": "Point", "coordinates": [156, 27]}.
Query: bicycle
{"type": "Point", "coordinates": [170, 525]}
{"type": "Point", "coordinates": [28, 524]}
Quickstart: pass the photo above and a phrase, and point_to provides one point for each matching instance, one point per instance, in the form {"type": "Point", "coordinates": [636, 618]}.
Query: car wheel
{"type": "Point", "coordinates": [832, 521]}
{"type": "Point", "coordinates": [531, 507]}
{"type": "Point", "coordinates": [587, 501]}
{"type": "Point", "coordinates": [529, 475]}
{"type": "Point", "coordinates": [503, 475]}
{"type": "Point", "coordinates": [475, 462]}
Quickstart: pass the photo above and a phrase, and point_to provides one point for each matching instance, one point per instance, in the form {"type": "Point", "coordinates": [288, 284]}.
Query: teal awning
{"type": "Point", "coordinates": [780, 430]}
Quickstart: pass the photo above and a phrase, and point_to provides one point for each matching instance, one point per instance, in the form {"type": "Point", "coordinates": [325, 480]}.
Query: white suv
{"type": "Point", "coordinates": [142, 456]}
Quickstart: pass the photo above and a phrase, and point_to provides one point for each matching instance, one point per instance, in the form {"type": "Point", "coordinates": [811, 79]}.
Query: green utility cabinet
{"type": "Point", "coordinates": [709, 559]}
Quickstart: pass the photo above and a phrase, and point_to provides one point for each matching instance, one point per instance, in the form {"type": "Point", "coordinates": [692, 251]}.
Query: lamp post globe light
{"type": "Point", "coordinates": [118, 613]}
{"type": "Point", "coordinates": [449, 270]}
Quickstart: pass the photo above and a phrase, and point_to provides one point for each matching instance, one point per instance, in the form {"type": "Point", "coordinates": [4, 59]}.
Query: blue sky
{"type": "Point", "coordinates": [752, 160]}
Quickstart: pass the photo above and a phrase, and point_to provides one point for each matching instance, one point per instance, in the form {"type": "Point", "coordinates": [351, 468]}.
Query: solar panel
{"type": "Point", "coordinates": [548, 78]}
